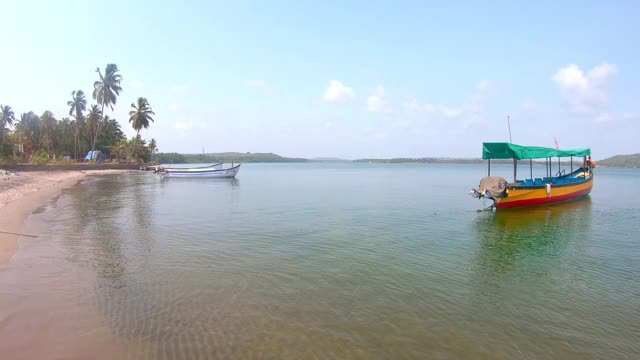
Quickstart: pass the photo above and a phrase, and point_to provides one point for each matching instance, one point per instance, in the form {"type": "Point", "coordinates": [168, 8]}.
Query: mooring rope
{"type": "Point", "coordinates": [12, 233]}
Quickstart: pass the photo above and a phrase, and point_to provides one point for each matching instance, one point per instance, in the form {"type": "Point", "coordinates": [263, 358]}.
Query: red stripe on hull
{"type": "Point", "coordinates": [543, 201]}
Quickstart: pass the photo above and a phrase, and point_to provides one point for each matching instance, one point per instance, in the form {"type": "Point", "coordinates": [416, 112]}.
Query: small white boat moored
{"type": "Point", "coordinates": [217, 166]}
{"type": "Point", "coordinates": [201, 173]}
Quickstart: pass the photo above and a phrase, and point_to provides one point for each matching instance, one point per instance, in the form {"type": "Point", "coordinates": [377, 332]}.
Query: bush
{"type": "Point", "coordinates": [40, 158]}
{"type": "Point", "coordinates": [8, 160]}
{"type": "Point", "coordinates": [6, 149]}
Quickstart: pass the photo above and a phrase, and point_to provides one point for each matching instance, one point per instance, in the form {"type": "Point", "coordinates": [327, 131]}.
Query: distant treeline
{"type": "Point", "coordinates": [431, 161]}
{"type": "Point", "coordinates": [175, 158]}
{"type": "Point", "coordinates": [632, 160]}
{"type": "Point", "coordinates": [46, 138]}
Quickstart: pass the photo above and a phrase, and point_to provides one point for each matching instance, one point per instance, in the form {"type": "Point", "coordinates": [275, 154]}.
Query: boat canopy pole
{"type": "Point", "coordinates": [572, 164]}
{"type": "Point", "coordinates": [546, 166]}
{"type": "Point", "coordinates": [558, 165]}
{"type": "Point", "coordinates": [531, 168]}
{"type": "Point", "coordinates": [489, 168]}
{"type": "Point", "coordinates": [515, 168]}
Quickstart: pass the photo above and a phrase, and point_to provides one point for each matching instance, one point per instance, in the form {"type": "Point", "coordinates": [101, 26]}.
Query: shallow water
{"type": "Point", "coordinates": [326, 260]}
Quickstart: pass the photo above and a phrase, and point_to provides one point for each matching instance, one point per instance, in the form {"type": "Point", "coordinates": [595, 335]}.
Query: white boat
{"type": "Point", "coordinates": [202, 173]}
{"type": "Point", "coordinates": [217, 166]}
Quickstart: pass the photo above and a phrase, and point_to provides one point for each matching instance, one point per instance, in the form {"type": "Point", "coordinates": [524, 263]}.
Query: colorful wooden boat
{"type": "Point", "coordinates": [534, 191]}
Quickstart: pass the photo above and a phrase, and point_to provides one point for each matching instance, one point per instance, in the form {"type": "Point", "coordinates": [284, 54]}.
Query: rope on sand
{"type": "Point", "coordinates": [11, 233]}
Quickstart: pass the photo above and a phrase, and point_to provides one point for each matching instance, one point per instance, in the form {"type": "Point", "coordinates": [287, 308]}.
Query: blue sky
{"type": "Point", "coordinates": [345, 79]}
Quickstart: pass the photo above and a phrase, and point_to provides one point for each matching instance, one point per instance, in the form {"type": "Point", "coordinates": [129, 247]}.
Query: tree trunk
{"type": "Point", "coordinates": [135, 144]}
{"type": "Point", "coordinates": [95, 137]}
{"type": "Point", "coordinates": [75, 143]}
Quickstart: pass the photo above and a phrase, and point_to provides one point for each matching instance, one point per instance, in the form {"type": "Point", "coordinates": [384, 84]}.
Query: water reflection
{"type": "Point", "coordinates": [306, 264]}
{"type": "Point", "coordinates": [110, 235]}
{"type": "Point", "coordinates": [505, 237]}
{"type": "Point", "coordinates": [214, 181]}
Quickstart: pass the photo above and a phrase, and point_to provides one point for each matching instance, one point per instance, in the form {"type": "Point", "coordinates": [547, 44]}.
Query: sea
{"type": "Point", "coordinates": [325, 260]}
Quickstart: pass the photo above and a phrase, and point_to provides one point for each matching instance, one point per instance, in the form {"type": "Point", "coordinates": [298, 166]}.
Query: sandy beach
{"type": "Point", "coordinates": [21, 195]}
{"type": "Point", "coordinates": [32, 325]}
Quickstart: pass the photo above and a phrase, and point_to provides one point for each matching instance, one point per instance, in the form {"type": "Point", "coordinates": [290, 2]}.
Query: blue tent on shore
{"type": "Point", "coordinates": [95, 155]}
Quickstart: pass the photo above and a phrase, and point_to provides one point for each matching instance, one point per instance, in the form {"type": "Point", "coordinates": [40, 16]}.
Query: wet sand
{"type": "Point", "coordinates": [41, 316]}
{"type": "Point", "coordinates": [21, 195]}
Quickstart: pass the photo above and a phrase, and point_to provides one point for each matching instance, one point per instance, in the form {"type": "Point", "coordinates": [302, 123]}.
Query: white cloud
{"type": "Point", "coordinates": [585, 93]}
{"type": "Point", "coordinates": [415, 107]}
{"type": "Point", "coordinates": [338, 92]}
{"type": "Point", "coordinates": [528, 105]}
{"type": "Point", "coordinates": [471, 119]}
{"type": "Point", "coordinates": [482, 85]}
{"type": "Point", "coordinates": [175, 107]}
{"type": "Point", "coordinates": [402, 123]}
{"type": "Point", "coordinates": [256, 83]}
{"type": "Point", "coordinates": [136, 84]}
{"type": "Point", "coordinates": [180, 88]}
{"type": "Point", "coordinates": [450, 112]}
{"type": "Point", "coordinates": [379, 134]}
{"type": "Point", "coordinates": [377, 102]}
{"type": "Point", "coordinates": [446, 111]}
{"type": "Point", "coordinates": [603, 118]}
{"type": "Point", "coordinates": [189, 125]}
{"type": "Point", "coordinates": [470, 111]}
{"type": "Point", "coordinates": [631, 116]}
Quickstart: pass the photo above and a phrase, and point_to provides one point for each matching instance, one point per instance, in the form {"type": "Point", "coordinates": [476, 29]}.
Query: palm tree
{"type": "Point", "coordinates": [28, 128]}
{"type": "Point", "coordinates": [140, 115]}
{"type": "Point", "coordinates": [29, 124]}
{"type": "Point", "coordinates": [106, 90]}
{"type": "Point", "coordinates": [110, 134]}
{"type": "Point", "coordinates": [48, 122]}
{"type": "Point", "coordinates": [78, 104]}
{"type": "Point", "coordinates": [7, 117]}
{"type": "Point", "coordinates": [153, 147]}
{"type": "Point", "coordinates": [93, 120]}
{"type": "Point", "coordinates": [65, 135]}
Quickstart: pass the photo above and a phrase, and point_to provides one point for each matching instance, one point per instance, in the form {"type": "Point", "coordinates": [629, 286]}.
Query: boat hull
{"type": "Point", "coordinates": [224, 173]}
{"type": "Point", "coordinates": [536, 196]}
{"type": "Point", "coordinates": [196, 169]}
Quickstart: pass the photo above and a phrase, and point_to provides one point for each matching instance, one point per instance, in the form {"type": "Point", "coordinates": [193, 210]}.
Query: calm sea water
{"type": "Point", "coordinates": [327, 260]}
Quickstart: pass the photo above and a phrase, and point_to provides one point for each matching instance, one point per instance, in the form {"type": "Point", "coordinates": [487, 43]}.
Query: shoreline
{"type": "Point", "coordinates": [21, 195]}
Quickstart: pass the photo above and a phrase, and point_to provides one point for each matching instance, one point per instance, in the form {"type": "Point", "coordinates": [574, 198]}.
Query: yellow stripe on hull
{"type": "Point", "coordinates": [538, 196]}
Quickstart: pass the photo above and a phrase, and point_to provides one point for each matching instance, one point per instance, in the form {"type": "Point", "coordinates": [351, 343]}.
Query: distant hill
{"type": "Point", "coordinates": [328, 159]}
{"type": "Point", "coordinates": [226, 157]}
{"type": "Point", "coordinates": [431, 161]}
{"type": "Point", "coordinates": [632, 160]}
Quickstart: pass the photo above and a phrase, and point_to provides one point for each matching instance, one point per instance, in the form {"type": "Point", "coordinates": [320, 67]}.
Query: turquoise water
{"type": "Point", "coordinates": [335, 260]}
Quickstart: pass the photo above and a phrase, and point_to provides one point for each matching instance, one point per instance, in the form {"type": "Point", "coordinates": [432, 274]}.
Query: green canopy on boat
{"type": "Point", "coordinates": [513, 151]}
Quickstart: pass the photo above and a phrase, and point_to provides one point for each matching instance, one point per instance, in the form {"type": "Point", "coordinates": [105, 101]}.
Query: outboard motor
{"type": "Point", "coordinates": [491, 187]}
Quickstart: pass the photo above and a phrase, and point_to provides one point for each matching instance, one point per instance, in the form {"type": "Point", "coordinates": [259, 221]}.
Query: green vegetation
{"type": "Point", "coordinates": [175, 158]}
{"type": "Point", "coordinates": [106, 91]}
{"type": "Point", "coordinates": [77, 104]}
{"type": "Point", "coordinates": [170, 158]}
{"type": "Point", "coordinates": [46, 139]}
{"type": "Point", "coordinates": [632, 160]}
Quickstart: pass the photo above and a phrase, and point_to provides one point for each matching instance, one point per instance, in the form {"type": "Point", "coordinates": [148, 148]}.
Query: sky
{"type": "Point", "coordinates": [348, 79]}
